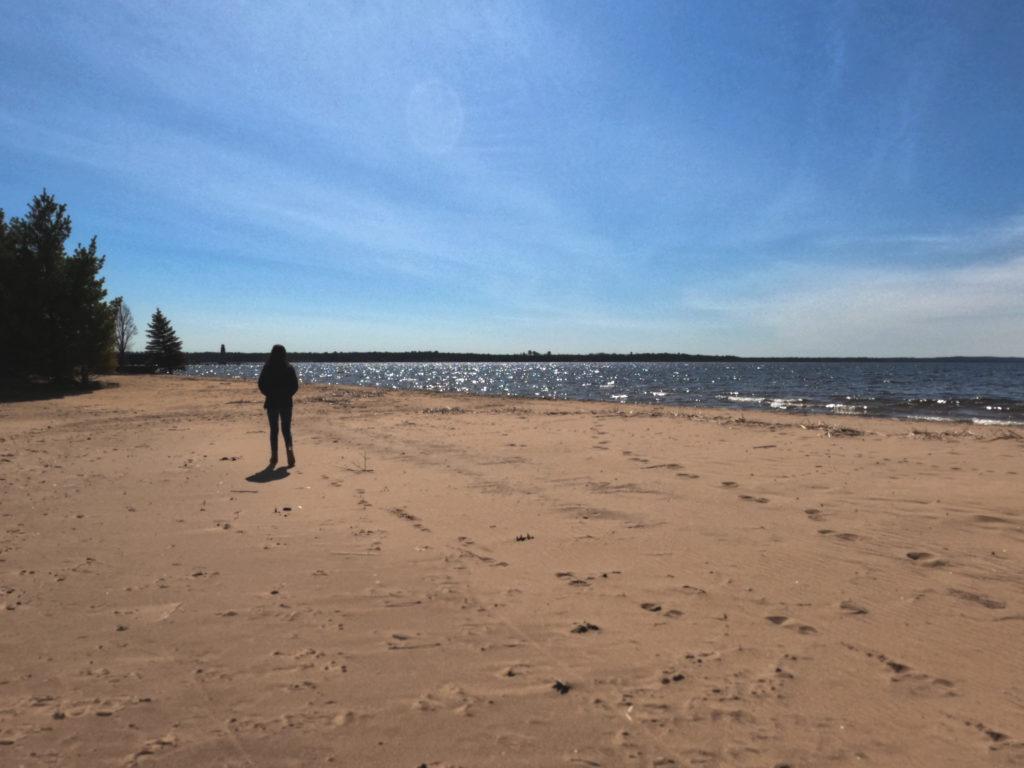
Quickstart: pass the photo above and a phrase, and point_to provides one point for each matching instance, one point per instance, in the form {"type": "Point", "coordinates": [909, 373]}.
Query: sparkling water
{"type": "Point", "coordinates": [980, 391]}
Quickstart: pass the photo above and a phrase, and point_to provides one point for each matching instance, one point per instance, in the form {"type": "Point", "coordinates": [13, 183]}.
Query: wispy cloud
{"type": "Point", "coordinates": [974, 307]}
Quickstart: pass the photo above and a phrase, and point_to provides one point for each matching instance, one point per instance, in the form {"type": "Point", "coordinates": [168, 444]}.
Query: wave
{"type": "Point", "coordinates": [741, 399]}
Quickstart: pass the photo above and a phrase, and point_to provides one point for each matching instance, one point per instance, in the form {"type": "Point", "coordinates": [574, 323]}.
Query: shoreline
{"type": "Point", "coordinates": [729, 408]}
{"type": "Point", "coordinates": [458, 580]}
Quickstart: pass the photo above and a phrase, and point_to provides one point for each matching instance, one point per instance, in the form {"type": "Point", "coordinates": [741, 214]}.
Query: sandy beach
{"type": "Point", "coordinates": [472, 581]}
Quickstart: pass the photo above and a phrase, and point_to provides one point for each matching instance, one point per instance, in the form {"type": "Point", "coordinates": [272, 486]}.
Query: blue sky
{"type": "Point", "coordinates": [749, 178]}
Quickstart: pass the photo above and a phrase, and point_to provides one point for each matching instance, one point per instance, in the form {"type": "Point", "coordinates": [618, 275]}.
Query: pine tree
{"type": "Point", "coordinates": [163, 346]}
{"type": "Point", "coordinates": [89, 331]}
{"type": "Point", "coordinates": [54, 318]}
{"type": "Point", "coordinates": [34, 283]}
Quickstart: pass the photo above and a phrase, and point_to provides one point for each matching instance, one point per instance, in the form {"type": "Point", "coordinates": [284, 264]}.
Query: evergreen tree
{"type": "Point", "coordinates": [163, 345]}
{"type": "Point", "coordinates": [34, 283]}
{"type": "Point", "coordinates": [54, 319]}
{"type": "Point", "coordinates": [89, 319]}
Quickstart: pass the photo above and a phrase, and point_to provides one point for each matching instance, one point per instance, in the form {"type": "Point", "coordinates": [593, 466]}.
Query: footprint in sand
{"type": "Point", "coordinates": [152, 747]}
{"type": "Point", "coordinates": [898, 667]}
{"type": "Point", "coordinates": [974, 597]}
{"type": "Point", "coordinates": [401, 514]}
{"type": "Point", "coordinates": [787, 623]}
{"type": "Point", "coordinates": [927, 559]}
{"type": "Point", "coordinates": [915, 683]}
{"type": "Point", "coordinates": [672, 613]}
{"type": "Point", "coordinates": [990, 519]}
{"type": "Point", "coordinates": [572, 580]}
{"type": "Point", "coordinates": [841, 536]}
{"type": "Point", "coordinates": [399, 641]}
{"type": "Point", "coordinates": [996, 737]}
{"type": "Point", "coordinates": [757, 499]}
{"type": "Point", "coordinates": [852, 608]}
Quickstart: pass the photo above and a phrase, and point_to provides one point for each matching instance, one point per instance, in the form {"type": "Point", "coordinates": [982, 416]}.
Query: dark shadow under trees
{"type": "Point", "coordinates": [29, 389]}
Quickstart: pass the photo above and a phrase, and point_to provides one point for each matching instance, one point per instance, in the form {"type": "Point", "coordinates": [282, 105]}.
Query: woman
{"type": "Point", "coordinates": [279, 383]}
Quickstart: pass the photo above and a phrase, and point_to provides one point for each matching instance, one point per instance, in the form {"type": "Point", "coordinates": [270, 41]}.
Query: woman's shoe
{"type": "Point", "coordinates": [291, 458]}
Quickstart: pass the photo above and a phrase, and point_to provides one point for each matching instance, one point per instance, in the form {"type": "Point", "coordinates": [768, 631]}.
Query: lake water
{"type": "Point", "coordinates": [982, 392]}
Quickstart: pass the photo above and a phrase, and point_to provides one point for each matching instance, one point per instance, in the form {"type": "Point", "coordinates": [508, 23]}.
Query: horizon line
{"type": "Point", "coordinates": [532, 355]}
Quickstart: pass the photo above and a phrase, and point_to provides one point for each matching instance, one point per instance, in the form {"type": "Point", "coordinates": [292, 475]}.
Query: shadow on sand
{"type": "Point", "coordinates": [21, 390]}
{"type": "Point", "coordinates": [268, 475]}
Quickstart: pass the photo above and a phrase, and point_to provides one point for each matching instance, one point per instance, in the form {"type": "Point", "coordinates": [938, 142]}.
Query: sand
{"type": "Point", "coordinates": [471, 581]}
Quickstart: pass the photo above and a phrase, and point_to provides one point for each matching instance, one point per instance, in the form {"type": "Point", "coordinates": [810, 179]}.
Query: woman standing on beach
{"type": "Point", "coordinates": [279, 384]}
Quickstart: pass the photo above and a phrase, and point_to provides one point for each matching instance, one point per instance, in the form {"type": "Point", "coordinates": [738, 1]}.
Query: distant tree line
{"type": "Point", "coordinates": [531, 356]}
{"type": "Point", "coordinates": [456, 357]}
{"type": "Point", "coordinates": [55, 320]}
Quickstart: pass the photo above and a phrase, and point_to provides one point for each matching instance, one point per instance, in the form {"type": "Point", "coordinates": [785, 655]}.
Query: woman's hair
{"type": "Point", "coordinates": [277, 355]}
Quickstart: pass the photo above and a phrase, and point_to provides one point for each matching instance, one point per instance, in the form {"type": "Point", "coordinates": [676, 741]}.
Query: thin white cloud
{"type": "Point", "coordinates": [974, 309]}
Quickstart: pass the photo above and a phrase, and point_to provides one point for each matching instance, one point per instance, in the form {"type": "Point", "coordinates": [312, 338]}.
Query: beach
{"type": "Point", "coordinates": [478, 581]}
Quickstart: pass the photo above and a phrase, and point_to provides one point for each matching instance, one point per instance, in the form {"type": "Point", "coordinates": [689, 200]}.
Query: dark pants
{"type": "Point", "coordinates": [284, 413]}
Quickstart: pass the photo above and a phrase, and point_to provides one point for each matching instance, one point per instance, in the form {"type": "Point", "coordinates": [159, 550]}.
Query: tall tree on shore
{"type": "Point", "coordinates": [90, 320]}
{"type": "Point", "coordinates": [54, 317]}
{"type": "Point", "coordinates": [124, 329]}
{"type": "Point", "coordinates": [33, 282]}
{"type": "Point", "coordinates": [163, 345]}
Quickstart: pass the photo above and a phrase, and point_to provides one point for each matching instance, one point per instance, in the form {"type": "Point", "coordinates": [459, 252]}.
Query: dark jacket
{"type": "Point", "coordinates": [279, 383]}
